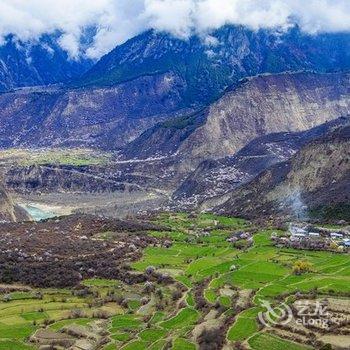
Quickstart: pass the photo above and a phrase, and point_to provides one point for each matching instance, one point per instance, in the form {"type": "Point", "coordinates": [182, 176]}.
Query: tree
{"type": "Point", "coordinates": [333, 246]}
{"type": "Point", "coordinates": [301, 266]}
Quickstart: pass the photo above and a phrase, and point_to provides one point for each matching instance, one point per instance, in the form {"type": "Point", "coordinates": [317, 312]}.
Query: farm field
{"type": "Point", "coordinates": [59, 156]}
{"type": "Point", "coordinates": [200, 292]}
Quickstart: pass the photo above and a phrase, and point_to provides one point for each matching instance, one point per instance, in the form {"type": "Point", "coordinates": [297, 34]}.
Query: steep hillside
{"type": "Point", "coordinates": [8, 210]}
{"type": "Point", "coordinates": [164, 139]}
{"type": "Point", "coordinates": [209, 65]}
{"type": "Point", "coordinates": [314, 183]}
{"type": "Point", "coordinates": [216, 177]}
{"type": "Point", "coordinates": [40, 63]}
{"type": "Point", "coordinates": [99, 117]}
{"type": "Point", "coordinates": [256, 106]}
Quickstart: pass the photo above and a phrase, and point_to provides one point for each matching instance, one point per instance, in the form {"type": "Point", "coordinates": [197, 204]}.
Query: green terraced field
{"type": "Point", "coordinates": [243, 328]}
{"type": "Point", "coordinates": [202, 266]}
{"type": "Point", "coordinates": [267, 341]}
{"type": "Point", "coordinates": [185, 317]}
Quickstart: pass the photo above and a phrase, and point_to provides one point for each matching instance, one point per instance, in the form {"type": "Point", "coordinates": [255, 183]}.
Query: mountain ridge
{"type": "Point", "coordinates": [213, 178]}
{"type": "Point", "coordinates": [209, 66]}
{"type": "Point", "coordinates": [314, 183]}
{"type": "Point", "coordinates": [39, 62]}
{"type": "Point", "coordinates": [104, 118]}
{"type": "Point", "coordinates": [259, 105]}
{"type": "Point", "coordinates": [182, 78]}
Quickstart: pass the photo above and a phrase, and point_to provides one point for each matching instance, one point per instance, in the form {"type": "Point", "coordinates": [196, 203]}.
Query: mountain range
{"type": "Point", "coordinates": [41, 62]}
{"type": "Point", "coordinates": [149, 79]}
{"type": "Point", "coordinates": [256, 106]}
{"type": "Point", "coordinates": [195, 120]}
{"type": "Point", "coordinates": [207, 66]}
{"type": "Point", "coordinates": [176, 192]}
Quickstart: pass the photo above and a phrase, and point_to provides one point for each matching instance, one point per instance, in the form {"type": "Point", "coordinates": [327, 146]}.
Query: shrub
{"type": "Point", "coordinates": [300, 267]}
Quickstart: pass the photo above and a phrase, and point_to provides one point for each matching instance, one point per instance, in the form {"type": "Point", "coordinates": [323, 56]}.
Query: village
{"type": "Point", "coordinates": [306, 236]}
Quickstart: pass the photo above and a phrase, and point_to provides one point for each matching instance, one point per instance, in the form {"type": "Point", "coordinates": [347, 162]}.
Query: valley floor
{"type": "Point", "coordinates": [61, 181]}
{"type": "Point", "coordinates": [197, 291]}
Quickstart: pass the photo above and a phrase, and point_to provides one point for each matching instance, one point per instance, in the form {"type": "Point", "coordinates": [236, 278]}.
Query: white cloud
{"type": "Point", "coordinates": [118, 20]}
{"type": "Point", "coordinates": [175, 16]}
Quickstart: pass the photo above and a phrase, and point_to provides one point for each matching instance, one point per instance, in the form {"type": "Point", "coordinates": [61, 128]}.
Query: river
{"type": "Point", "coordinates": [38, 213]}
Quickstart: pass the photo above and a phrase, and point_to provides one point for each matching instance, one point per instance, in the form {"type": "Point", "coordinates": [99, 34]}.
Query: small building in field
{"type": "Point", "coordinates": [298, 236]}
{"type": "Point", "coordinates": [314, 234]}
{"type": "Point", "coordinates": [346, 243]}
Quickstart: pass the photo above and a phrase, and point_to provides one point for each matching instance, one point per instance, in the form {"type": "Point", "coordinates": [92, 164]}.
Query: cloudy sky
{"type": "Point", "coordinates": [118, 20]}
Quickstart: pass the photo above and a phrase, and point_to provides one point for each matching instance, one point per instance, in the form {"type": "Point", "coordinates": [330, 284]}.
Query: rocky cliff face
{"type": "Point", "coordinates": [100, 117]}
{"type": "Point", "coordinates": [9, 211]}
{"type": "Point", "coordinates": [65, 178]}
{"type": "Point", "coordinates": [255, 107]}
{"type": "Point", "coordinates": [165, 139]}
{"type": "Point", "coordinates": [40, 63]}
{"type": "Point", "coordinates": [314, 183]}
{"type": "Point", "coordinates": [213, 178]}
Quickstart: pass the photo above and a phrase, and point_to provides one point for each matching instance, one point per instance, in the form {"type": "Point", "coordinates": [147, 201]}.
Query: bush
{"type": "Point", "coordinates": [300, 267]}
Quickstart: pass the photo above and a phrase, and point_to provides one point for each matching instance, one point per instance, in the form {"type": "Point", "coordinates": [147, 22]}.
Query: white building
{"type": "Point", "coordinates": [295, 230]}
{"type": "Point", "coordinates": [314, 234]}
{"type": "Point", "coordinates": [336, 235]}
{"type": "Point", "coordinates": [297, 236]}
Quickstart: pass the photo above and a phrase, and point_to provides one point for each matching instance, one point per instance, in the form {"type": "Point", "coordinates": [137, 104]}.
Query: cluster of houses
{"type": "Point", "coordinates": [311, 237]}
{"type": "Point", "coordinates": [240, 235]}
{"type": "Point", "coordinates": [202, 233]}
{"type": "Point", "coordinates": [241, 240]}
{"type": "Point", "coordinates": [299, 231]}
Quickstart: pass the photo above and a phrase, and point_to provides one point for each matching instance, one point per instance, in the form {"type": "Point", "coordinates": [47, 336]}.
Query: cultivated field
{"type": "Point", "coordinates": [59, 156]}
{"type": "Point", "coordinates": [198, 291]}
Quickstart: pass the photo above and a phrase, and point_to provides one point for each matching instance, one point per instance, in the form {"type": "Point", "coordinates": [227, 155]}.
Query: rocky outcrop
{"type": "Point", "coordinates": [313, 183]}
{"type": "Point", "coordinates": [100, 117]}
{"type": "Point", "coordinates": [65, 178]}
{"type": "Point", "coordinates": [166, 138]}
{"type": "Point", "coordinates": [257, 106]}
{"type": "Point", "coordinates": [9, 211]}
